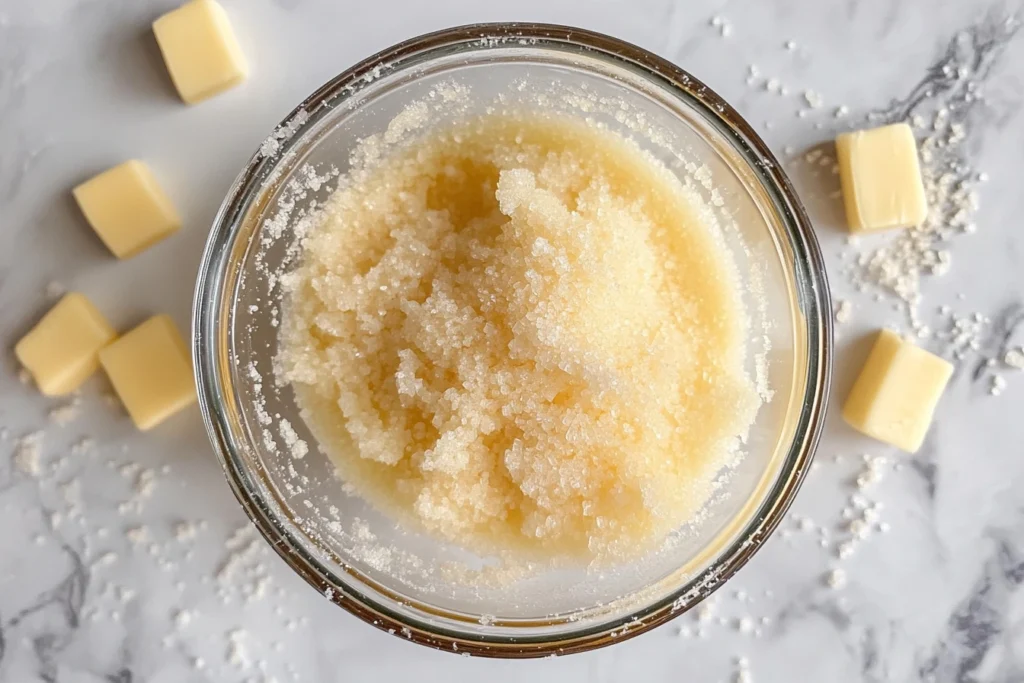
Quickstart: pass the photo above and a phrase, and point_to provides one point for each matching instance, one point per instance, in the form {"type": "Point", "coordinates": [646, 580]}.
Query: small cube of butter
{"type": "Point", "coordinates": [60, 352]}
{"type": "Point", "coordinates": [199, 47]}
{"type": "Point", "coordinates": [894, 397]}
{"type": "Point", "coordinates": [881, 178]}
{"type": "Point", "coordinates": [127, 208]}
{"type": "Point", "coordinates": [151, 371]}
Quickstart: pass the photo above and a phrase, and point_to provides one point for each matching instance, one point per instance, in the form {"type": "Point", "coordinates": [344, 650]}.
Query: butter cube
{"type": "Point", "coordinates": [199, 47]}
{"type": "Point", "coordinates": [895, 395]}
{"type": "Point", "coordinates": [151, 371]}
{"type": "Point", "coordinates": [881, 178]}
{"type": "Point", "coordinates": [60, 352]}
{"type": "Point", "coordinates": [127, 209]}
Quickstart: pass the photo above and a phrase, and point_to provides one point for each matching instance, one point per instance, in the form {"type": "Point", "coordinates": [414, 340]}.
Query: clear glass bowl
{"type": "Point", "coordinates": [400, 580]}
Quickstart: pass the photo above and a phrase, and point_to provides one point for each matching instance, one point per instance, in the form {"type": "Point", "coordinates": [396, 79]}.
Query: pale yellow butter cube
{"type": "Point", "coordinates": [200, 50]}
{"type": "Point", "coordinates": [895, 395]}
{"type": "Point", "coordinates": [127, 208]}
{"type": "Point", "coordinates": [151, 371]}
{"type": "Point", "coordinates": [60, 352]}
{"type": "Point", "coordinates": [881, 178]}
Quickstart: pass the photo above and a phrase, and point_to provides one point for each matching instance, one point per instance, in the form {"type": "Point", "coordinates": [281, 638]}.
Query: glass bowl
{"type": "Point", "coordinates": [411, 584]}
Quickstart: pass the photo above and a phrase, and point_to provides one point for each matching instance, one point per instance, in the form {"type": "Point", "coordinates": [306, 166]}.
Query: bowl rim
{"type": "Point", "coordinates": [811, 283]}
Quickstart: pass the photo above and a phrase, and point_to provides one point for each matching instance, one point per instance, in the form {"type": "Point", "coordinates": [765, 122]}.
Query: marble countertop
{"type": "Point", "coordinates": [115, 546]}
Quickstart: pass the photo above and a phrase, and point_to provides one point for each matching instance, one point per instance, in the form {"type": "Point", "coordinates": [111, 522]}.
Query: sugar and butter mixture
{"type": "Point", "coordinates": [520, 332]}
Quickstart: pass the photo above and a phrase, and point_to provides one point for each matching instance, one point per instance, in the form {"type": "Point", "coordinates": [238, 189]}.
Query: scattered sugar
{"type": "Point", "coordinates": [137, 535]}
{"type": "Point", "coordinates": [185, 531]}
{"type": "Point", "coordinates": [1014, 358]}
{"type": "Point", "coordinates": [272, 145]}
{"type": "Point", "coordinates": [83, 446]}
{"type": "Point", "coordinates": [64, 414]}
{"type": "Point", "coordinates": [859, 528]}
{"type": "Point", "coordinates": [242, 574]}
{"type": "Point", "coordinates": [997, 385]}
{"type": "Point", "coordinates": [813, 99]}
{"type": "Point", "coordinates": [296, 446]}
{"type": "Point", "coordinates": [964, 334]}
{"type": "Point", "coordinates": [898, 267]}
{"type": "Point", "coordinates": [28, 453]}
{"type": "Point", "coordinates": [836, 579]}
{"type": "Point", "coordinates": [237, 651]}
{"type": "Point", "coordinates": [743, 674]}
{"type": "Point", "coordinates": [104, 560]}
{"type": "Point", "coordinates": [873, 472]}
{"type": "Point", "coordinates": [144, 483]}
{"type": "Point", "coordinates": [843, 311]}
{"type": "Point", "coordinates": [723, 26]}
{"type": "Point", "coordinates": [753, 73]}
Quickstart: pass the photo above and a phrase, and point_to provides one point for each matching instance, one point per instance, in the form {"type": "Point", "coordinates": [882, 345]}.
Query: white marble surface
{"type": "Point", "coordinates": [938, 597]}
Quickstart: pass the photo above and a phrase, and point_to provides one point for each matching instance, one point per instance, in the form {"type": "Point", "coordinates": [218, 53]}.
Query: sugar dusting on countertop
{"type": "Point", "coordinates": [27, 454]}
{"type": "Point", "coordinates": [898, 267]}
{"type": "Point", "coordinates": [108, 547]}
{"type": "Point", "coordinates": [940, 110]}
{"type": "Point", "coordinates": [895, 265]}
{"type": "Point", "coordinates": [895, 268]}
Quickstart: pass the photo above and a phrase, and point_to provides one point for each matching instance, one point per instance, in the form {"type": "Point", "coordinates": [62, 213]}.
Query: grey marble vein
{"type": "Point", "coordinates": [979, 46]}
{"type": "Point", "coordinates": [67, 596]}
{"type": "Point", "coordinates": [120, 676]}
{"type": "Point", "coordinates": [979, 621]}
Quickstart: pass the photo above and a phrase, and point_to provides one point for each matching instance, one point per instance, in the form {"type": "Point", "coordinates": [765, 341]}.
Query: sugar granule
{"type": "Point", "coordinates": [1014, 358]}
{"type": "Point", "coordinates": [296, 446]}
{"type": "Point", "coordinates": [66, 413]}
{"type": "Point", "coordinates": [843, 311]}
{"type": "Point", "coordinates": [27, 454]}
{"type": "Point", "coordinates": [836, 579]}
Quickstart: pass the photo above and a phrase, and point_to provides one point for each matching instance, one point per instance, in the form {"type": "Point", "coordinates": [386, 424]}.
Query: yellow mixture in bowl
{"type": "Point", "coordinates": [521, 332]}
